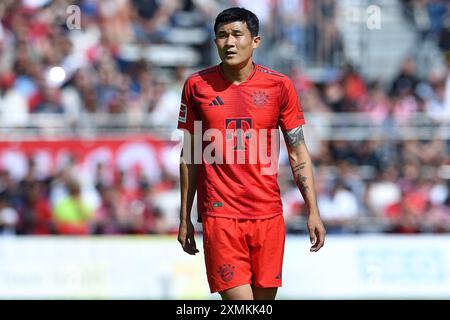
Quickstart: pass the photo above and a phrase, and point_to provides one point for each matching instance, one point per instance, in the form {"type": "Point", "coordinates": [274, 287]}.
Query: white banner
{"type": "Point", "coordinates": [368, 267]}
{"type": "Point", "coordinates": [348, 267]}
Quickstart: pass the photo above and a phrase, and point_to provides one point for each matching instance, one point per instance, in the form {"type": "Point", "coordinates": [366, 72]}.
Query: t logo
{"type": "Point", "coordinates": [240, 125]}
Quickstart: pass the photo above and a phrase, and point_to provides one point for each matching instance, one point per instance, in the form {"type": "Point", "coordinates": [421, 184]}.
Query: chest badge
{"type": "Point", "coordinates": [260, 98]}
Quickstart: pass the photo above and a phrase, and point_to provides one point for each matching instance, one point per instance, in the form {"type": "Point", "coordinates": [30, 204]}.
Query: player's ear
{"type": "Point", "coordinates": [256, 41]}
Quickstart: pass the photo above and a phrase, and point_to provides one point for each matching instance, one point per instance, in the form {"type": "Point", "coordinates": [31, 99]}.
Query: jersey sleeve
{"type": "Point", "coordinates": [187, 115]}
{"type": "Point", "coordinates": [291, 113]}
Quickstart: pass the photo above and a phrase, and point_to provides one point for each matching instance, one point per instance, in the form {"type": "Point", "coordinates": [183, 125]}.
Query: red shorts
{"type": "Point", "coordinates": [243, 251]}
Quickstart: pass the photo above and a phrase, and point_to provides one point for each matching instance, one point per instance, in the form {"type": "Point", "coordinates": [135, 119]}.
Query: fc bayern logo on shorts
{"type": "Point", "coordinates": [226, 272]}
{"type": "Point", "coordinates": [260, 98]}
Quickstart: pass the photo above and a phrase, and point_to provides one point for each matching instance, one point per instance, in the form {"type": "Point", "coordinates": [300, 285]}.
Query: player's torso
{"type": "Point", "coordinates": [233, 184]}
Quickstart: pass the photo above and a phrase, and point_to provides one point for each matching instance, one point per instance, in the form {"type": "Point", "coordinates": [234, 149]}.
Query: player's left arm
{"type": "Point", "coordinates": [302, 170]}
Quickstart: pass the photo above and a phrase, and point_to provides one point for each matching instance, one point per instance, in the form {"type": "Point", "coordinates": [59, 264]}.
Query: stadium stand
{"type": "Point", "coordinates": [88, 143]}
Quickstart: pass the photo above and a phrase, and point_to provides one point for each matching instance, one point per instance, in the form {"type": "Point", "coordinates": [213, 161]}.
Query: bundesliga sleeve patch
{"type": "Point", "coordinates": [183, 113]}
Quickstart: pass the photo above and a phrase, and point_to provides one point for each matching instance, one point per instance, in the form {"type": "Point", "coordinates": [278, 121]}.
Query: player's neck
{"type": "Point", "coordinates": [239, 74]}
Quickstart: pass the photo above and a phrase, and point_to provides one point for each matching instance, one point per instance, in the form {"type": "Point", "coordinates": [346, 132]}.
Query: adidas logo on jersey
{"type": "Point", "coordinates": [217, 101]}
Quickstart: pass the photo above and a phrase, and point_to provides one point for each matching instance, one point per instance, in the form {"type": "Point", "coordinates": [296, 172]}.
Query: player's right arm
{"type": "Point", "coordinates": [188, 187]}
{"type": "Point", "coordinates": [188, 170]}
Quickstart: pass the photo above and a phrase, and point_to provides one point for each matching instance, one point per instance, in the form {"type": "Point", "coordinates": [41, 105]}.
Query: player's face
{"type": "Point", "coordinates": [235, 43]}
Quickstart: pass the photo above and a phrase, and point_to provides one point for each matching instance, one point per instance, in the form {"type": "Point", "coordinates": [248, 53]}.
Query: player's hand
{"type": "Point", "coordinates": [316, 232]}
{"type": "Point", "coordinates": [186, 237]}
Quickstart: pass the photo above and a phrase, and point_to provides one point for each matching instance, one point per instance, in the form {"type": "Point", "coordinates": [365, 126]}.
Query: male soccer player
{"type": "Point", "coordinates": [239, 204]}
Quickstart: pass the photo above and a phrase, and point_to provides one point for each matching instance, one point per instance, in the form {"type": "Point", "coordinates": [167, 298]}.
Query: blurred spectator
{"type": "Point", "coordinates": [71, 215]}
{"type": "Point", "coordinates": [349, 177]}
{"type": "Point", "coordinates": [109, 216]}
{"type": "Point", "coordinates": [437, 10]}
{"type": "Point", "coordinates": [342, 150]}
{"type": "Point", "coordinates": [339, 209]}
{"type": "Point", "coordinates": [35, 211]}
{"type": "Point", "coordinates": [416, 11]}
{"type": "Point", "coordinates": [438, 219]}
{"type": "Point", "coordinates": [405, 82]}
{"type": "Point", "coordinates": [423, 152]}
{"type": "Point", "coordinates": [375, 104]}
{"type": "Point", "coordinates": [354, 86]}
{"type": "Point", "coordinates": [165, 113]}
{"type": "Point", "coordinates": [436, 106]}
{"type": "Point", "coordinates": [13, 105]}
{"type": "Point", "coordinates": [292, 16]}
{"type": "Point", "coordinates": [9, 217]}
{"type": "Point", "coordinates": [383, 192]}
{"type": "Point", "coordinates": [144, 217]}
{"type": "Point", "coordinates": [50, 102]}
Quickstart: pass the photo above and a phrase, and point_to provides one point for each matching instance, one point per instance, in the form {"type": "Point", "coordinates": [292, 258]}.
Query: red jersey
{"type": "Point", "coordinates": [265, 100]}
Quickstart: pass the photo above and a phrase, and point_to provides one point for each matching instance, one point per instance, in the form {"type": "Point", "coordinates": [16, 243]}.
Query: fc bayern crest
{"type": "Point", "coordinates": [226, 272]}
{"type": "Point", "coordinates": [260, 98]}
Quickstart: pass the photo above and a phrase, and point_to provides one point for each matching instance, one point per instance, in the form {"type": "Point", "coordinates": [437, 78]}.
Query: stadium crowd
{"type": "Point", "coordinates": [371, 185]}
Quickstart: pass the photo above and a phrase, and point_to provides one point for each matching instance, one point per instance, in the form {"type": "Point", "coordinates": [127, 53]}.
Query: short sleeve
{"type": "Point", "coordinates": [291, 113]}
{"type": "Point", "coordinates": [187, 115]}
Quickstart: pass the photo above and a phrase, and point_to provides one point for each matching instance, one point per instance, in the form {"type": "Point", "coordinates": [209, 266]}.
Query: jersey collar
{"type": "Point", "coordinates": [219, 69]}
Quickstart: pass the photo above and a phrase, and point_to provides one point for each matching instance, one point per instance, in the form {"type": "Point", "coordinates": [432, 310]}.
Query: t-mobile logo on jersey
{"type": "Point", "coordinates": [239, 126]}
{"type": "Point", "coordinates": [239, 144]}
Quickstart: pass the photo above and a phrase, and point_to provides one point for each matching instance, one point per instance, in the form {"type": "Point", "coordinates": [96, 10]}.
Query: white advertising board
{"type": "Point", "coordinates": [348, 267]}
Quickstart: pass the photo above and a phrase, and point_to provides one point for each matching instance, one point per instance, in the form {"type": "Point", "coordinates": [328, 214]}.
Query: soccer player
{"type": "Point", "coordinates": [239, 202]}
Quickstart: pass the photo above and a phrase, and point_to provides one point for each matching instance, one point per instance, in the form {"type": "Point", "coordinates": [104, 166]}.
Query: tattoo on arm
{"type": "Point", "coordinates": [300, 179]}
{"type": "Point", "coordinates": [294, 137]}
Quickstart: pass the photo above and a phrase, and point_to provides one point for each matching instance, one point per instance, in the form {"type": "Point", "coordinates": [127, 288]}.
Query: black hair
{"type": "Point", "coordinates": [238, 14]}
